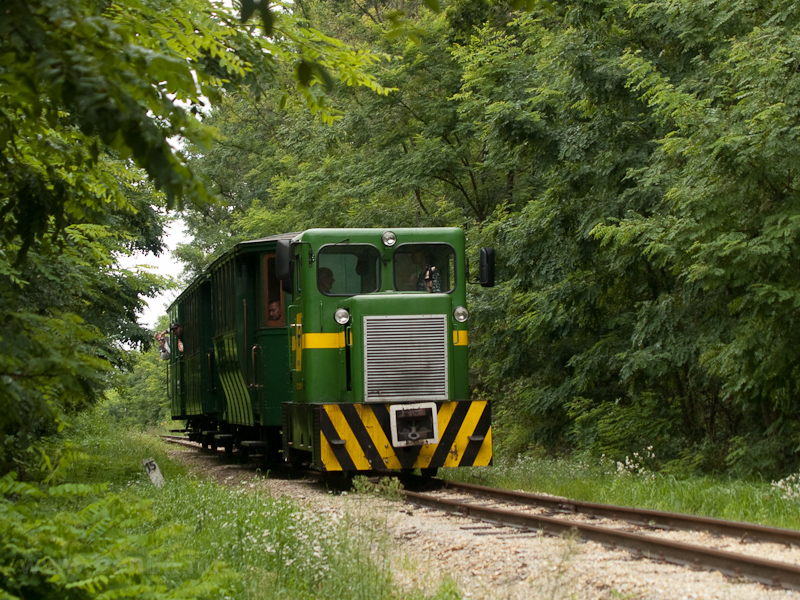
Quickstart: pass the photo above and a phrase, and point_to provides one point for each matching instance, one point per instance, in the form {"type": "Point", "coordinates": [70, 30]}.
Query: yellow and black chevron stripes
{"type": "Point", "coordinates": [357, 437]}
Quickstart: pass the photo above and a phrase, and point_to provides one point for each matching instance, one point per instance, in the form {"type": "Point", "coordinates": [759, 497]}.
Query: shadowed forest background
{"type": "Point", "coordinates": [633, 163]}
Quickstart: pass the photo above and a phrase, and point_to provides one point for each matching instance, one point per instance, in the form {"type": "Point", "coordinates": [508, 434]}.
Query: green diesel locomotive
{"type": "Point", "coordinates": [344, 349]}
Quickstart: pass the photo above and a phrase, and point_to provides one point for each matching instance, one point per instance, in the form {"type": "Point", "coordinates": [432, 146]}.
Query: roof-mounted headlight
{"type": "Point", "coordinates": [460, 314]}
{"type": "Point", "coordinates": [341, 316]}
{"type": "Point", "coordinates": [389, 239]}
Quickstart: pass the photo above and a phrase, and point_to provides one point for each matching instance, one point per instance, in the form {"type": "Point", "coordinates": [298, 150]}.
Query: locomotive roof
{"type": "Point", "coordinates": [226, 256]}
{"type": "Point", "coordinates": [249, 245]}
{"type": "Point", "coordinates": [270, 238]}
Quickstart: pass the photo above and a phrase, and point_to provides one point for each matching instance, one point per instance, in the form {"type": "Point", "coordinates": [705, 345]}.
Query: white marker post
{"type": "Point", "coordinates": [153, 471]}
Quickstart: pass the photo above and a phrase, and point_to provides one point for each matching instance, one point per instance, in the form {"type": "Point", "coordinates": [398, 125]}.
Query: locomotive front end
{"type": "Point", "coordinates": [378, 329]}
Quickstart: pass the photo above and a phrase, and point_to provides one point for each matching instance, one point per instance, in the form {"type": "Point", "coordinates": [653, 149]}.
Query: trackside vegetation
{"type": "Point", "coordinates": [633, 482]}
{"type": "Point", "coordinates": [95, 527]}
{"type": "Point", "coordinates": [98, 101]}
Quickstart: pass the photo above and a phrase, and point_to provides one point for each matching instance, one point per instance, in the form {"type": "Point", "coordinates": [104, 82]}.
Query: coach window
{"type": "Point", "coordinates": [348, 269]}
{"type": "Point", "coordinates": [425, 268]}
{"type": "Point", "coordinates": [272, 314]}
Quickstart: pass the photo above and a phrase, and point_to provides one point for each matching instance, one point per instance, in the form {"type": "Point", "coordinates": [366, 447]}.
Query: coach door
{"type": "Point", "coordinates": [269, 354]}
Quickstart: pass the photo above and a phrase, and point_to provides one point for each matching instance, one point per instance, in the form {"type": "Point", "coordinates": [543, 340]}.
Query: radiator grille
{"type": "Point", "coordinates": [405, 357]}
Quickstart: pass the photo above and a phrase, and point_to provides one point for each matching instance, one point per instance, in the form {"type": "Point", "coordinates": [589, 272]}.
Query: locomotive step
{"type": "Point", "coordinates": [253, 444]}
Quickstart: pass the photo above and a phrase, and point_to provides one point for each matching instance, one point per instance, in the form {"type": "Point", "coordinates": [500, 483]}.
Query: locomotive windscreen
{"type": "Point", "coordinates": [353, 269]}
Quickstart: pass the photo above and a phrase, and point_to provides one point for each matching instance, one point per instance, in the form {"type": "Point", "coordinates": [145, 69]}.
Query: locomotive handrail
{"type": "Point", "coordinates": [253, 384]}
{"type": "Point", "coordinates": [296, 341]}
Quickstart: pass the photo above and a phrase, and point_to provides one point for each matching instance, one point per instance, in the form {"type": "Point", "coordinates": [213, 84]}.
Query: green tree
{"type": "Point", "coordinates": [651, 292]}
{"type": "Point", "coordinates": [98, 101]}
{"type": "Point", "coordinates": [140, 395]}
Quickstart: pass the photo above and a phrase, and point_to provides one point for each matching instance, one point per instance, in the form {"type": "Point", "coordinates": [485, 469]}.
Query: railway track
{"type": "Point", "coordinates": [634, 530]}
{"type": "Point", "coordinates": [246, 462]}
{"type": "Point", "coordinates": [516, 509]}
{"type": "Point", "coordinates": [181, 441]}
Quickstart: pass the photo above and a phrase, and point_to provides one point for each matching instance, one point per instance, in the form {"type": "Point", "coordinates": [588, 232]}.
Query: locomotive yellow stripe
{"type": "Point", "coordinates": [323, 340]}
{"type": "Point", "coordinates": [466, 429]}
{"type": "Point", "coordinates": [317, 341]}
{"type": "Point", "coordinates": [484, 456]}
{"type": "Point", "coordinates": [459, 338]}
{"type": "Point", "coordinates": [346, 433]}
{"type": "Point", "coordinates": [382, 444]}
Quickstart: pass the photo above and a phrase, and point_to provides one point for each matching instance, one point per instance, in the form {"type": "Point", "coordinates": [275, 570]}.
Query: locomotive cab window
{"type": "Point", "coordinates": [348, 269]}
{"type": "Point", "coordinates": [272, 314]}
{"type": "Point", "coordinates": [427, 268]}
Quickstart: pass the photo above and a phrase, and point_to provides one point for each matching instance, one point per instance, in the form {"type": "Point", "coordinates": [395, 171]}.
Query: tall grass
{"type": "Point", "coordinates": [634, 483]}
{"type": "Point", "coordinates": [249, 543]}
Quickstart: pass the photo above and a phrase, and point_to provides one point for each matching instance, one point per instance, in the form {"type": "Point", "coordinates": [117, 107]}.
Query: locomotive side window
{"type": "Point", "coordinates": [348, 269]}
{"type": "Point", "coordinates": [272, 313]}
{"type": "Point", "coordinates": [425, 268]}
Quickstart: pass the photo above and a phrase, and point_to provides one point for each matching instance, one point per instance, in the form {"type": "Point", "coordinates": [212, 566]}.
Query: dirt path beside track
{"type": "Point", "coordinates": [488, 562]}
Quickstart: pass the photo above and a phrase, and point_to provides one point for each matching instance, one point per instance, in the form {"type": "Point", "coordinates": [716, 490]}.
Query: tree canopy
{"type": "Point", "coordinates": [99, 100]}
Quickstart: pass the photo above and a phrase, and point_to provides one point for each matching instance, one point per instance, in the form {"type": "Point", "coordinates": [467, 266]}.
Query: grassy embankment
{"type": "Point", "coordinates": [632, 483]}
{"type": "Point", "coordinates": [107, 532]}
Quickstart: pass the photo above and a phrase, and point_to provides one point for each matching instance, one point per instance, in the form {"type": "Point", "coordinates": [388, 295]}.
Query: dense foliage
{"type": "Point", "coordinates": [633, 163]}
{"type": "Point", "coordinates": [98, 99]}
{"type": "Point", "coordinates": [73, 537]}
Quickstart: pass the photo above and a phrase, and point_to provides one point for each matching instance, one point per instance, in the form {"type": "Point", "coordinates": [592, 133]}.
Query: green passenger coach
{"type": "Point", "coordinates": [344, 349]}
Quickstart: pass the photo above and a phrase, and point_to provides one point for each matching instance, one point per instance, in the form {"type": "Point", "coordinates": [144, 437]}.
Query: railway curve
{"type": "Point", "coordinates": [769, 572]}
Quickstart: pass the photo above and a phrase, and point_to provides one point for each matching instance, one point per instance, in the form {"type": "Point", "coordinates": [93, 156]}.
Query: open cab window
{"type": "Point", "coordinates": [426, 268]}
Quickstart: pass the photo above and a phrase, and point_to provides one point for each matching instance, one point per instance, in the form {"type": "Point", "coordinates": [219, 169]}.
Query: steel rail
{"type": "Point", "coordinates": [736, 565]}
{"type": "Point", "coordinates": [183, 441]}
{"type": "Point", "coordinates": [309, 474]}
{"type": "Point", "coordinates": [176, 439]}
{"type": "Point", "coordinates": [639, 516]}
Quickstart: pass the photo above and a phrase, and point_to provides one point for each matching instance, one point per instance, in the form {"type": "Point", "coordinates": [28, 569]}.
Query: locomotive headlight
{"type": "Point", "coordinates": [341, 316]}
{"type": "Point", "coordinates": [460, 314]}
{"type": "Point", "coordinates": [388, 239]}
